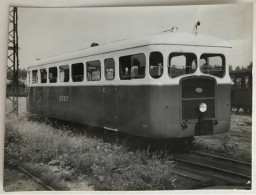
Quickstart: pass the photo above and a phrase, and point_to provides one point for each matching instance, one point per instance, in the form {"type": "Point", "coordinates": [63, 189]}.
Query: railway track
{"type": "Point", "coordinates": [36, 179]}
{"type": "Point", "coordinates": [214, 170]}
{"type": "Point", "coordinates": [211, 170]}
{"type": "Point", "coordinates": [244, 135]}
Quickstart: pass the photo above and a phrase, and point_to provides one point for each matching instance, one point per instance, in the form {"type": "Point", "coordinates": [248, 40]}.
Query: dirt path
{"type": "Point", "coordinates": [15, 180]}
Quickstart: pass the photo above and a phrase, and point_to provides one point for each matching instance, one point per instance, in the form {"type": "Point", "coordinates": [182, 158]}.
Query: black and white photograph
{"type": "Point", "coordinates": [129, 98]}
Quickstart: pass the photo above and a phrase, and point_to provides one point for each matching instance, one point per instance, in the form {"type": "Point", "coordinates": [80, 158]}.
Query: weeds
{"type": "Point", "coordinates": [52, 151]}
{"type": "Point", "coordinates": [226, 145]}
{"type": "Point", "coordinates": [59, 152]}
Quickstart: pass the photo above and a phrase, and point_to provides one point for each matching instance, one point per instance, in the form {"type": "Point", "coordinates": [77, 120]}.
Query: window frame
{"type": "Point", "coordinates": [53, 77]}
{"type": "Point", "coordinates": [37, 76]}
{"type": "Point", "coordinates": [64, 74]}
{"type": "Point", "coordinates": [130, 77]}
{"type": "Point", "coordinates": [87, 62]}
{"type": "Point", "coordinates": [237, 82]}
{"type": "Point", "coordinates": [248, 84]}
{"type": "Point", "coordinates": [169, 65]}
{"type": "Point", "coordinates": [41, 76]}
{"type": "Point", "coordinates": [114, 73]}
{"type": "Point", "coordinates": [71, 72]}
{"type": "Point", "coordinates": [28, 77]}
{"type": "Point", "coordinates": [223, 58]}
{"type": "Point", "coordinates": [150, 65]}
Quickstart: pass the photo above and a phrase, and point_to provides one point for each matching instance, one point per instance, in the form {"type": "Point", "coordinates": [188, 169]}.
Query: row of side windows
{"type": "Point", "coordinates": [133, 67]}
{"type": "Point", "coordinates": [130, 66]}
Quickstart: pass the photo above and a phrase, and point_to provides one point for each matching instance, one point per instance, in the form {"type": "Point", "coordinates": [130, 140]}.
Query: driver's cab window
{"type": "Point", "coordinates": [181, 64]}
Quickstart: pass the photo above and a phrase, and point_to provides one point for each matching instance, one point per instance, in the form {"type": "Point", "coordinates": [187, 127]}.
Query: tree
{"type": "Point", "coordinates": [249, 66]}
{"type": "Point", "coordinates": [22, 74]}
{"type": "Point", "coordinates": [237, 68]}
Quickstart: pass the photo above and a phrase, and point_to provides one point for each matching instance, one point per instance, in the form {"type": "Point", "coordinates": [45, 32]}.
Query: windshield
{"type": "Point", "coordinates": [213, 64]}
{"type": "Point", "coordinates": [181, 63]}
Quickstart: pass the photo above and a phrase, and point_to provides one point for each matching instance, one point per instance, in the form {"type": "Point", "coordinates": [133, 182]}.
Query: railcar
{"type": "Point", "coordinates": [167, 85]}
{"type": "Point", "coordinates": [241, 90]}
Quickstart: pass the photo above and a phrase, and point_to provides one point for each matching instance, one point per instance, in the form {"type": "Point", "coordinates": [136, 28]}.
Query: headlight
{"type": "Point", "coordinates": [203, 107]}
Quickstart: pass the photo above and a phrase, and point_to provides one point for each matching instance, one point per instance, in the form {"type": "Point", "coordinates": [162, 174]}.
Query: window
{"type": "Point", "coordinates": [78, 72]}
{"type": "Point", "coordinates": [34, 76]}
{"type": "Point", "coordinates": [28, 77]}
{"type": "Point", "coordinates": [132, 67]}
{"type": "Point", "coordinates": [181, 64]}
{"type": "Point", "coordinates": [43, 74]}
{"type": "Point", "coordinates": [238, 82]}
{"type": "Point", "coordinates": [53, 74]}
{"type": "Point", "coordinates": [109, 69]}
{"type": "Point", "coordinates": [64, 73]}
{"type": "Point", "coordinates": [248, 82]}
{"type": "Point", "coordinates": [156, 65]}
{"type": "Point", "coordinates": [93, 70]}
{"type": "Point", "coordinates": [213, 64]}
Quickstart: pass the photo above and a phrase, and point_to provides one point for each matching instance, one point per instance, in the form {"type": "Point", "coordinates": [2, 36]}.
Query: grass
{"type": "Point", "coordinates": [62, 154]}
{"type": "Point", "coordinates": [230, 146]}
{"type": "Point", "coordinates": [58, 155]}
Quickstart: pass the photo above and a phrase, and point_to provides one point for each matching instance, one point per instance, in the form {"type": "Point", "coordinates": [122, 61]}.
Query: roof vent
{"type": "Point", "coordinates": [94, 44]}
{"type": "Point", "coordinates": [173, 29]}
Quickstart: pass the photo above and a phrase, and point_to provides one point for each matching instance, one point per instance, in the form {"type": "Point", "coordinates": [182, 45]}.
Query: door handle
{"type": "Point", "coordinates": [104, 89]}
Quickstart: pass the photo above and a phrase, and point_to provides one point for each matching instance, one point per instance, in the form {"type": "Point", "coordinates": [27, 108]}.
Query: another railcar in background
{"type": "Point", "coordinates": [241, 91]}
{"type": "Point", "coordinates": [168, 85]}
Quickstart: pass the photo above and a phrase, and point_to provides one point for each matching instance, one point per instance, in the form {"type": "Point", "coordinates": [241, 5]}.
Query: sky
{"type": "Point", "coordinates": [46, 32]}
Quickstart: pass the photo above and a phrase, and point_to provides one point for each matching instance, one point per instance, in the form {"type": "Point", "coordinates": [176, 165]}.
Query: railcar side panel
{"type": "Point", "coordinates": [52, 102]}
{"type": "Point", "coordinates": [32, 100]}
{"type": "Point", "coordinates": [172, 104]}
{"type": "Point", "coordinates": [41, 100]}
{"type": "Point", "coordinates": [76, 104]}
{"type": "Point", "coordinates": [93, 106]}
{"type": "Point", "coordinates": [151, 111]}
{"type": "Point", "coordinates": [156, 111]}
{"type": "Point", "coordinates": [63, 102]}
{"type": "Point", "coordinates": [133, 109]}
{"type": "Point", "coordinates": [223, 107]}
{"type": "Point", "coordinates": [28, 99]}
{"type": "Point", "coordinates": [241, 97]}
{"type": "Point", "coordinates": [45, 95]}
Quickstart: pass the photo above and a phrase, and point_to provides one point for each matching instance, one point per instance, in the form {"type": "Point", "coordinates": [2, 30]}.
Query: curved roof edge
{"type": "Point", "coordinates": [165, 38]}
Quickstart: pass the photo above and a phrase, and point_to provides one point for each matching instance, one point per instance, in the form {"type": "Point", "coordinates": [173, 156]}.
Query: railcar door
{"type": "Point", "coordinates": [110, 107]}
{"type": "Point", "coordinates": [109, 96]}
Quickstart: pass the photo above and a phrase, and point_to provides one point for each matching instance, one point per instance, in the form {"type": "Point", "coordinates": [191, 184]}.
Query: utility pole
{"type": "Point", "coordinates": [13, 58]}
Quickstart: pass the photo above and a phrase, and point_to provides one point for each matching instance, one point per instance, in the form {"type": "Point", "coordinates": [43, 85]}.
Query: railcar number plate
{"type": "Point", "coordinates": [63, 98]}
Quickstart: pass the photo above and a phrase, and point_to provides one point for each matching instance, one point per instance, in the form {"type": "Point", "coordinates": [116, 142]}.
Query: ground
{"type": "Point", "coordinates": [15, 180]}
{"type": "Point", "coordinates": [67, 159]}
{"type": "Point", "coordinates": [236, 143]}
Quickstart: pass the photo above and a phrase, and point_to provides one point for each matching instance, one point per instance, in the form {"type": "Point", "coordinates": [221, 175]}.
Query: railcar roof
{"type": "Point", "coordinates": [165, 38]}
